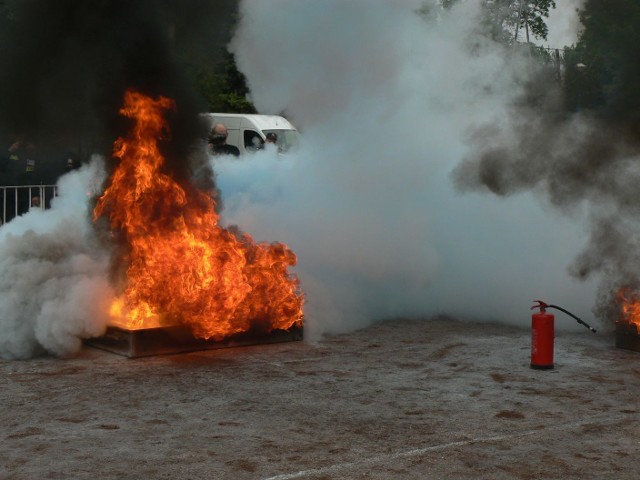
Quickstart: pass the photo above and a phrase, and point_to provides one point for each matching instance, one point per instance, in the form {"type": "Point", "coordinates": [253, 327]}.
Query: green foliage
{"type": "Point", "coordinates": [222, 86]}
{"type": "Point", "coordinates": [503, 18]}
{"type": "Point", "coordinates": [532, 17]}
{"type": "Point", "coordinates": [209, 64]}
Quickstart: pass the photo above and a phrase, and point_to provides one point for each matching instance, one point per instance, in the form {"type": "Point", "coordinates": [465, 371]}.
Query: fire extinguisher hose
{"type": "Point", "coordinates": [581, 322]}
{"type": "Point", "coordinates": [544, 305]}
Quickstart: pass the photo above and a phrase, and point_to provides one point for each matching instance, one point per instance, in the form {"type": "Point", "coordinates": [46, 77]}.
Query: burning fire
{"type": "Point", "coordinates": [630, 305]}
{"type": "Point", "coordinates": [181, 265]}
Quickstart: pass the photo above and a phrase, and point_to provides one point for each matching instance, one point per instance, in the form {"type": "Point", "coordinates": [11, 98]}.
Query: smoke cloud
{"type": "Point", "coordinates": [564, 24]}
{"type": "Point", "coordinates": [401, 106]}
{"type": "Point", "coordinates": [386, 97]}
{"type": "Point", "coordinates": [586, 159]}
{"type": "Point", "coordinates": [54, 289]}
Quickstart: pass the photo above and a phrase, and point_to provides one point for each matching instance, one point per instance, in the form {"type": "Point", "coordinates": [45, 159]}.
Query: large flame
{"type": "Point", "coordinates": [180, 263]}
{"type": "Point", "coordinates": [630, 305]}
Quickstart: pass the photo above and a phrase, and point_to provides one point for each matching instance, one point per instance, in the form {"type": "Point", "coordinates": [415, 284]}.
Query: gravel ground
{"type": "Point", "coordinates": [402, 399]}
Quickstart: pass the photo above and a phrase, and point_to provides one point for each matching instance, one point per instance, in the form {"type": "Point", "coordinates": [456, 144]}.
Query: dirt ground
{"type": "Point", "coordinates": [402, 399]}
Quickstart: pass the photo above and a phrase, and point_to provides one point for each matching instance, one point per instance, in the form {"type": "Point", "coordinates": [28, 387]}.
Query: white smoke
{"type": "Point", "coordinates": [564, 23]}
{"type": "Point", "coordinates": [384, 97]}
{"type": "Point", "coordinates": [53, 287]}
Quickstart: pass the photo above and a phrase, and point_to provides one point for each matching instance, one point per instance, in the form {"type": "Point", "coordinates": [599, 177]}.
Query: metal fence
{"type": "Point", "coordinates": [17, 200]}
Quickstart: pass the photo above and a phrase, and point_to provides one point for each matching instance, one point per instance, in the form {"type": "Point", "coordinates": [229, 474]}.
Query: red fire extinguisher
{"type": "Point", "coordinates": [542, 335]}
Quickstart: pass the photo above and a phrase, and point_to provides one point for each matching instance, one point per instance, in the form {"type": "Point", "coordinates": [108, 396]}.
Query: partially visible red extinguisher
{"type": "Point", "coordinates": [542, 335]}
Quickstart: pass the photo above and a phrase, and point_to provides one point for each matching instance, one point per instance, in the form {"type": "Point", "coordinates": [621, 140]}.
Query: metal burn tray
{"type": "Point", "coordinates": [627, 336]}
{"type": "Point", "coordinates": [179, 339]}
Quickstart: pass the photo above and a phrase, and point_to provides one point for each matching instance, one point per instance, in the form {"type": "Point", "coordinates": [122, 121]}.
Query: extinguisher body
{"type": "Point", "coordinates": [542, 332]}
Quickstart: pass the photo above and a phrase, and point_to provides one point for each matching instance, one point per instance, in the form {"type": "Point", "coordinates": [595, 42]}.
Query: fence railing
{"type": "Point", "coordinates": [17, 200]}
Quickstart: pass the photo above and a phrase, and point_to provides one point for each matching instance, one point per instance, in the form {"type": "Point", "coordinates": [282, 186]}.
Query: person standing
{"type": "Point", "coordinates": [20, 170]}
{"type": "Point", "coordinates": [272, 138]}
{"type": "Point", "coordinates": [218, 141]}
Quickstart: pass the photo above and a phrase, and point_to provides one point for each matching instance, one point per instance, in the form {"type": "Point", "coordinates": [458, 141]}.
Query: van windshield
{"type": "Point", "coordinates": [288, 140]}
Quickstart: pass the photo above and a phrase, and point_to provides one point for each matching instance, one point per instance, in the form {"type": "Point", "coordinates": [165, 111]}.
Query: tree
{"type": "Point", "coordinates": [603, 69]}
{"type": "Point", "coordinates": [223, 86]}
{"type": "Point", "coordinates": [505, 18]}
{"type": "Point", "coordinates": [531, 15]}
{"type": "Point", "coordinates": [211, 67]}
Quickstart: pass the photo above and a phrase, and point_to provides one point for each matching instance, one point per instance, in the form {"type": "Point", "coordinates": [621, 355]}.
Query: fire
{"type": "Point", "coordinates": [181, 265]}
{"type": "Point", "coordinates": [630, 305]}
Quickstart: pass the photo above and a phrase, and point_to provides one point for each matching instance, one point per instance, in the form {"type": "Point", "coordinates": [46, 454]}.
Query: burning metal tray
{"type": "Point", "coordinates": [179, 339]}
{"type": "Point", "coordinates": [627, 336]}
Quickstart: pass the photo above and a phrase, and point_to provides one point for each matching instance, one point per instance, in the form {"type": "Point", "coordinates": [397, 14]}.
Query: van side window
{"type": "Point", "coordinates": [252, 141]}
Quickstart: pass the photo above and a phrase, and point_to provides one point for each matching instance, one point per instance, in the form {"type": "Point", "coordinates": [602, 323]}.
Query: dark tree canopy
{"type": "Point", "coordinates": [603, 68]}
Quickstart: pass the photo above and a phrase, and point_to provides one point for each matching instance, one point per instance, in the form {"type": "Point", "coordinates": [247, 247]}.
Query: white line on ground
{"type": "Point", "coordinates": [443, 446]}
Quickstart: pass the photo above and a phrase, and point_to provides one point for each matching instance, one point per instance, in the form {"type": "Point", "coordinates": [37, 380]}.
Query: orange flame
{"type": "Point", "coordinates": [182, 265]}
{"type": "Point", "coordinates": [630, 305]}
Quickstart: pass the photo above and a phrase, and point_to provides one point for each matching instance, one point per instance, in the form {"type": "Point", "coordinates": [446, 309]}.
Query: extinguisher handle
{"type": "Point", "coordinates": [541, 305]}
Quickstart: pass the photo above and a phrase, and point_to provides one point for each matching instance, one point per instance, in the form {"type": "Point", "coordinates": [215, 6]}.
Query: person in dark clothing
{"type": "Point", "coordinates": [72, 163]}
{"type": "Point", "coordinates": [218, 141]}
{"type": "Point", "coordinates": [20, 170]}
{"type": "Point", "coordinates": [272, 138]}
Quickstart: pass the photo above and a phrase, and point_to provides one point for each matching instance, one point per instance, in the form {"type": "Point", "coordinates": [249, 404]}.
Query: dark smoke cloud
{"type": "Point", "coordinates": [569, 157]}
{"type": "Point", "coordinates": [66, 65]}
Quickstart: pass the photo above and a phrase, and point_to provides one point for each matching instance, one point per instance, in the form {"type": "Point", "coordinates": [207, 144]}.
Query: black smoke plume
{"type": "Point", "coordinates": [65, 66]}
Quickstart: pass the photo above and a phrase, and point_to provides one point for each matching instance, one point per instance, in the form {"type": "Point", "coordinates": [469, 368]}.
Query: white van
{"type": "Point", "coordinates": [248, 132]}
